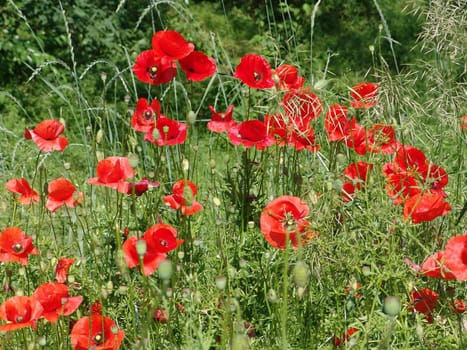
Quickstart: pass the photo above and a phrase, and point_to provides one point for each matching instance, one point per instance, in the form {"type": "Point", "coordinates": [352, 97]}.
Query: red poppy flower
{"type": "Point", "coordinates": [401, 185]}
{"type": "Point", "coordinates": [411, 159]}
{"type": "Point", "coordinates": [20, 312]}
{"type": "Point", "coordinates": [364, 95]}
{"type": "Point", "coordinates": [159, 239]}
{"type": "Point", "coordinates": [62, 268]}
{"type": "Point", "coordinates": [183, 197]}
{"type": "Point", "coordinates": [112, 172]}
{"type": "Point", "coordinates": [143, 119]}
{"type": "Point", "coordinates": [22, 187]}
{"type": "Point", "coordinates": [96, 332]}
{"type": "Point", "coordinates": [463, 123]}
{"type": "Point", "coordinates": [283, 219]}
{"type": "Point", "coordinates": [382, 139]}
{"type": "Point", "coordinates": [251, 133]}
{"type": "Point", "coordinates": [358, 173]}
{"type": "Point", "coordinates": [277, 128]}
{"type": "Point", "coordinates": [171, 44]}
{"type": "Point", "coordinates": [221, 121]}
{"type": "Point", "coordinates": [425, 206]}
{"type": "Point", "coordinates": [437, 178]}
{"type": "Point", "coordinates": [286, 78]}
{"type": "Point", "coordinates": [152, 69]}
{"type": "Point", "coordinates": [198, 66]}
{"type": "Point", "coordinates": [459, 306]}
{"type": "Point", "coordinates": [434, 266]}
{"type": "Point", "coordinates": [456, 256]}
{"type": "Point", "coordinates": [139, 187]}
{"type": "Point", "coordinates": [337, 123]}
{"type": "Point", "coordinates": [357, 137]}
{"type": "Point", "coordinates": [425, 301]}
{"type": "Point", "coordinates": [254, 71]}
{"type": "Point", "coordinates": [303, 139]}
{"type": "Point", "coordinates": [169, 132]}
{"type": "Point", "coordinates": [16, 246]}
{"type": "Point", "coordinates": [338, 342]}
{"type": "Point", "coordinates": [302, 107]}
{"type": "Point", "coordinates": [60, 192]}
{"type": "Point", "coordinates": [95, 308]}
{"type": "Point", "coordinates": [161, 315]}
{"type": "Point", "coordinates": [46, 135]}
{"type": "Point", "coordinates": [55, 301]}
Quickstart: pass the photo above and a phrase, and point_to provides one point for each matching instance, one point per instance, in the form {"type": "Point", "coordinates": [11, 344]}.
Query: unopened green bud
{"type": "Point", "coordinates": [392, 306]}
{"type": "Point", "coordinates": [165, 270]}
{"type": "Point", "coordinates": [221, 282]}
{"type": "Point", "coordinates": [301, 274]}
{"type": "Point", "coordinates": [99, 135]}
{"type": "Point", "coordinates": [191, 117]}
{"type": "Point", "coordinates": [156, 135]}
{"type": "Point", "coordinates": [133, 158]}
{"type": "Point", "coordinates": [141, 247]}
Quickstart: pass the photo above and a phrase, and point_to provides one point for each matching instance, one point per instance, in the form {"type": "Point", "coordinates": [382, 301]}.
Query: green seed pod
{"type": "Point", "coordinates": [99, 136]}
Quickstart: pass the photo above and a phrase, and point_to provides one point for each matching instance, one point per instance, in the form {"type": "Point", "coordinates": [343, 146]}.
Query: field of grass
{"type": "Point", "coordinates": [247, 196]}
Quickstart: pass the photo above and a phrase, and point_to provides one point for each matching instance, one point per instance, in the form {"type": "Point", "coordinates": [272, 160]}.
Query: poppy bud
{"type": "Point", "coordinates": [301, 274]}
{"type": "Point", "coordinates": [141, 247]}
{"type": "Point", "coordinates": [99, 136]}
{"type": "Point", "coordinates": [191, 117]}
{"type": "Point", "coordinates": [165, 270]}
{"type": "Point", "coordinates": [133, 158]}
{"type": "Point", "coordinates": [67, 166]}
{"type": "Point", "coordinates": [392, 306]}
{"type": "Point", "coordinates": [185, 165]}
{"type": "Point", "coordinates": [272, 296]}
{"type": "Point", "coordinates": [156, 135]}
{"type": "Point", "coordinates": [221, 282]}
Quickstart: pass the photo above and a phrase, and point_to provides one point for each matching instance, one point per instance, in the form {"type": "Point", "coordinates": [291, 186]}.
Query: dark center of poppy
{"type": "Point", "coordinates": [152, 72]}
{"type": "Point", "coordinates": [98, 339]}
{"type": "Point", "coordinates": [148, 114]}
{"type": "Point", "coordinates": [18, 248]}
{"type": "Point", "coordinates": [19, 319]}
{"type": "Point", "coordinates": [257, 76]}
{"type": "Point", "coordinates": [164, 243]}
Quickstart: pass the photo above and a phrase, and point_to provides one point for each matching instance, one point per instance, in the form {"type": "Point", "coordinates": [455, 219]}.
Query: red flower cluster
{"type": "Point", "coordinates": [152, 248]}
{"type": "Point", "coordinates": [50, 300]}
{"type": "Point", "coordinates": [380, 138]}
{"type": "Point", "coordinates": [364, 95]}
{"type": "Point", "coordinates": [417, 184]}
{"type": "Point", "coordinates": [183, 198]}
{"type": "Point", "coordinates": [284, 220]}
{"type": "Point", "coordinates": [158, 66]}
{"type": "Point", "coordinates": [159, 129]}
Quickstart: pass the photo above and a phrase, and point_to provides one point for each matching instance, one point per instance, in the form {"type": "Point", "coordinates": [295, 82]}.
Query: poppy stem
{"type": "Point", "coordinates": [285, 294]}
